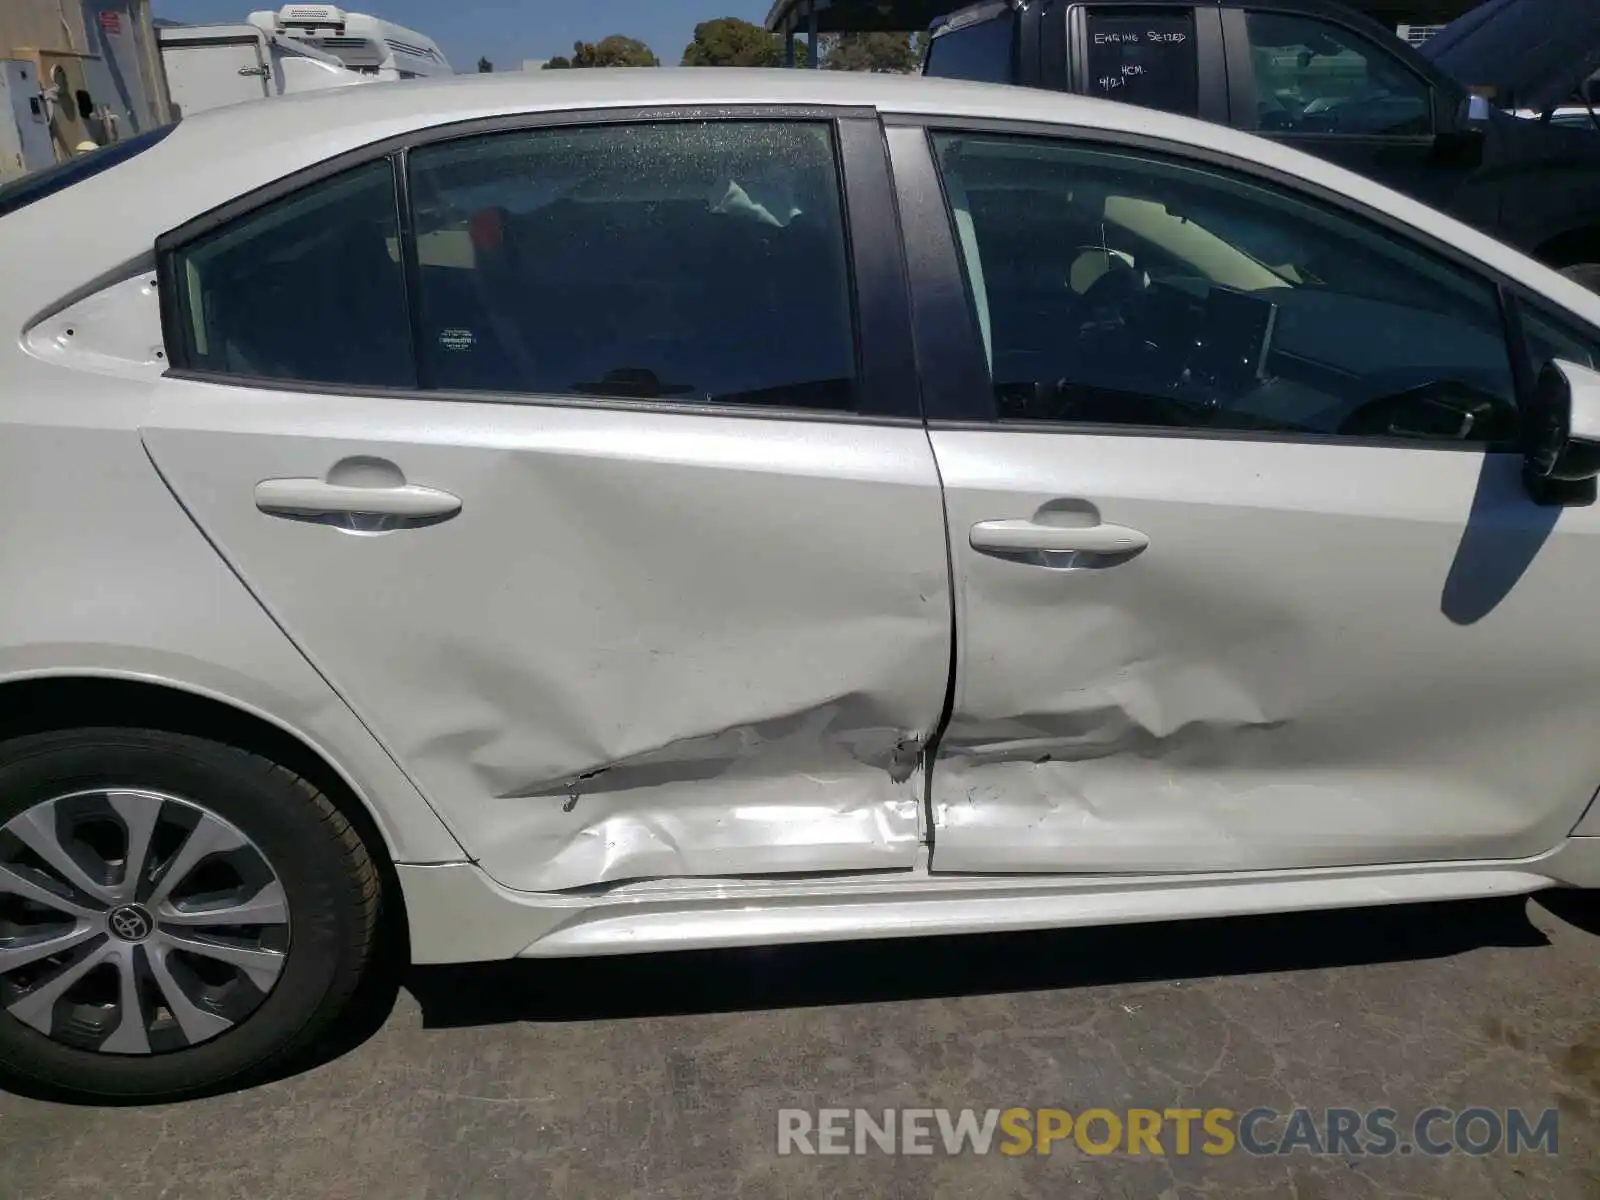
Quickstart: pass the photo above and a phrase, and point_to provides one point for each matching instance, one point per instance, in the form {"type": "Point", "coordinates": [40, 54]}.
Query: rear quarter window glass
{"type": "Point", "coordinates": [20, 193]}
{"type": "Point", "coordinates": [309, 288]}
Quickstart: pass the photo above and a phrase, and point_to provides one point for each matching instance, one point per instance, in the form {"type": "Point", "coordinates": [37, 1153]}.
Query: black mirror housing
{"type": "Point", "coordinates": [1561, 435]}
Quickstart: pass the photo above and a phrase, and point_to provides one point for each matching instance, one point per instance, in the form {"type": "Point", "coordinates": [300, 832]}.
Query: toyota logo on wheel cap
{"type": "Point", "coordinates": [130, 923]}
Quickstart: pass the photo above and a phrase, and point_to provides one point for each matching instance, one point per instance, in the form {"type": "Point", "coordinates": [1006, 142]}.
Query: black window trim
{"type": "Point", "coordinates": [886, 376]}
{"type": "Point", "coordinates": [410, 266]}
{"type": "Point", "coordinates": [950, 342]}
{"type": "Point", "coordinates": [1243, 65]}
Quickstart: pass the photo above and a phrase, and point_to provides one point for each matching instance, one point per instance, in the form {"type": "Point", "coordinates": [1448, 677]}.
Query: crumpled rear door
{"type": "Point", "coordinates": [649, 644]}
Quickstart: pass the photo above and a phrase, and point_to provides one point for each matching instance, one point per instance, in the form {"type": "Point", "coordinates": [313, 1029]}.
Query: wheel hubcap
{"type": "Point", "coordinates": [130, 923]}
{"type": "Point", "coordinates": [135, 922]}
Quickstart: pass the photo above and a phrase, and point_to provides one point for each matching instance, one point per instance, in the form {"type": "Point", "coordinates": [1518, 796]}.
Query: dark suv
{"type": "Point", "coordinates": [1327, 79]}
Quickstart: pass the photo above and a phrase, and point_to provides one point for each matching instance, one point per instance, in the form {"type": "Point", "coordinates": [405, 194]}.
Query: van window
{"type": "Point", "coordinates": [1145, 57]}
{"type": "Point", "coordinates": [1316, 77]}
{"type": "Point", "coordinates": [981, 48]}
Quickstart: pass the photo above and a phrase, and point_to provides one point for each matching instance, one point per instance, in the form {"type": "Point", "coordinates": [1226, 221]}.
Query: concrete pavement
{"type": "Point", "coordinates": [663, 1076]}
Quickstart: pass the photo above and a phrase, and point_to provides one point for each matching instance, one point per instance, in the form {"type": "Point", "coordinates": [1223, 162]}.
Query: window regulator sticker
{"type": "Point", "coordinates": [457, 339]}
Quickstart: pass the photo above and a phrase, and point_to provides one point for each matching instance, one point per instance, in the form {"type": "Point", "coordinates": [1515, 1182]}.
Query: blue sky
{"type": "Point", "coordinates": [508, 31]}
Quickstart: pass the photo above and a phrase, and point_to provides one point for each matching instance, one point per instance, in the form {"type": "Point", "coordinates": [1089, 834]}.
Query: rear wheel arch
{"type": "Point", "coordinates": [52, 703]}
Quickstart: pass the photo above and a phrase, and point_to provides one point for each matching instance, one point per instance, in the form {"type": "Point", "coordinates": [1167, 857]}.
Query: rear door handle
{"type": "Point", "coordinates": [309, 499]}
{"type": "Point", "coordinates": [1009, 538]}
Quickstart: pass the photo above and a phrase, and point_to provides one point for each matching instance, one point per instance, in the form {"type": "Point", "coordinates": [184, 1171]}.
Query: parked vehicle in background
{"type": "Point", "coordinates": [422, 515]}
{"type": "Point", "coordinates": [1569, 116]}
{"type": "Point", "coordinates": [365, 44]}
{"type": "Point", "coordinates": [1583, 113]}
{"type": "Point", "coordinates": [1324, 78]}
{"type": "Point", "coordinates": [297, 48]}
{"type": "Point", "coordinates": [210, 66]}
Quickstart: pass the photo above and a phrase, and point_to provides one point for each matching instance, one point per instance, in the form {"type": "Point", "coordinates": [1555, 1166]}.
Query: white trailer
{"type": "Point", "coordinates": [209, 66]}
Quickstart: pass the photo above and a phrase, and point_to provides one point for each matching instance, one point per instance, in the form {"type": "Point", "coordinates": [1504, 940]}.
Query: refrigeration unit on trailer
{"type": "Point", "coordinates": [364, 43]}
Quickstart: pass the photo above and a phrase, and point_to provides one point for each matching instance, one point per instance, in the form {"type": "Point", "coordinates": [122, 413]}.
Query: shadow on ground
{"type": "Point", "coordinates": [722, 981]}
{"type": "Point", "coordinates": [1578, 908]}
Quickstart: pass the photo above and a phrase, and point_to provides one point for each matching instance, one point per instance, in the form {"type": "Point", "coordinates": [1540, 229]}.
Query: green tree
{"type": "Point", "coordinates": [485, 66]}
{"type": "Point", "coordinates": [881, 53]}
{"type": "Point", "coordinates": [559, 63]}
{"type": "Point", "coordinates": [614, 51]}
{"type": "Point", "coordinates": [730, 42]}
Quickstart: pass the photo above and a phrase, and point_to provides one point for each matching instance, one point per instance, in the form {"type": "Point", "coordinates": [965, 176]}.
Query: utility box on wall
{"type": "Point", "coordinates": [96, 64]}
{"type": "Point", "coordinates": [24, 121]}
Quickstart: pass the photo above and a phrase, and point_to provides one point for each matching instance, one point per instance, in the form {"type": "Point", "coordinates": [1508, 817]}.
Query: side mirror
{"type": "Point", "coordinates": [1561, 435]}
{"type": "Point", "coordinates": [1463, 130]}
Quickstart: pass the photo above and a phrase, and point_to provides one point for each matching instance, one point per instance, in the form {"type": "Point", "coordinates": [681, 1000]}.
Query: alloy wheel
{"type": "Point", "coordinates": [134, 922]}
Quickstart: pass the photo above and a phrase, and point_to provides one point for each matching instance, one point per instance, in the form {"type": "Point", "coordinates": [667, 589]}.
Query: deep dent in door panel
{"type": "Point", "coordinates": [1182, 759]}
{"type": "Point", "coordinates": [711, 755]}
{"type": "Point", "coordinates": [657, 790]}
{"type": "Point", "coordinates": [832, 775]}
{"type": "Point", "coordinates": [648, 645]}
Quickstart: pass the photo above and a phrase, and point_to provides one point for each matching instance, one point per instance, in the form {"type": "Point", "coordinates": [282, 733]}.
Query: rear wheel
{"type": "Point", "coordinates": [174, 913]}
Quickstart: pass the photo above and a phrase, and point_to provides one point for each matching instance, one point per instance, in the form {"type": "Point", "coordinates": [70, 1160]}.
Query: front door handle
{"type": "Point", "coordinates": [1012, 538]}
{"type": "Point", "coordinates": [313, 499]}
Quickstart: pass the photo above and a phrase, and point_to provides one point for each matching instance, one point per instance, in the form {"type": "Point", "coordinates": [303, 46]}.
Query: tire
{"type": "Point", "coordinates": [199, 1020]}
{"type": "Point", "coordinates": [1586, 274]}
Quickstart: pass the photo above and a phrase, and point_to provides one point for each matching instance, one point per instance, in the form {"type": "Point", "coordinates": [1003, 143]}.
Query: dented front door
{"type": "Point", "coordinates": [1249, 655]}
{"type": "Point", "coordinates": [647, 643]}
{"type": "Point", "coordinates": [1211, 614]}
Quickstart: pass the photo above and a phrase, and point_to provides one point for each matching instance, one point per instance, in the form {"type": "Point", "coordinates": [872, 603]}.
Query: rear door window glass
{"type": "Point", "coordinates": [689, 262]}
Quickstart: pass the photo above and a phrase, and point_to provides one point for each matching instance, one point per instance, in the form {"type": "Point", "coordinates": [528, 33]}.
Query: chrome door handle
{"type": "Point", "coordinates": [1011, 538]}
{"type": "Point", "coordinates": [309, 499]}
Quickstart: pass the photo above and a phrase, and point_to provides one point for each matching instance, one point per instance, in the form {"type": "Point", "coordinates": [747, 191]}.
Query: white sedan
{"type": "Point", "coordinates": [591, 513]}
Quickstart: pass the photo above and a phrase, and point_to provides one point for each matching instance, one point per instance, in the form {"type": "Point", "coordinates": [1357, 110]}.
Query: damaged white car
{"type": "Point", "coordinates": [591, 513]}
